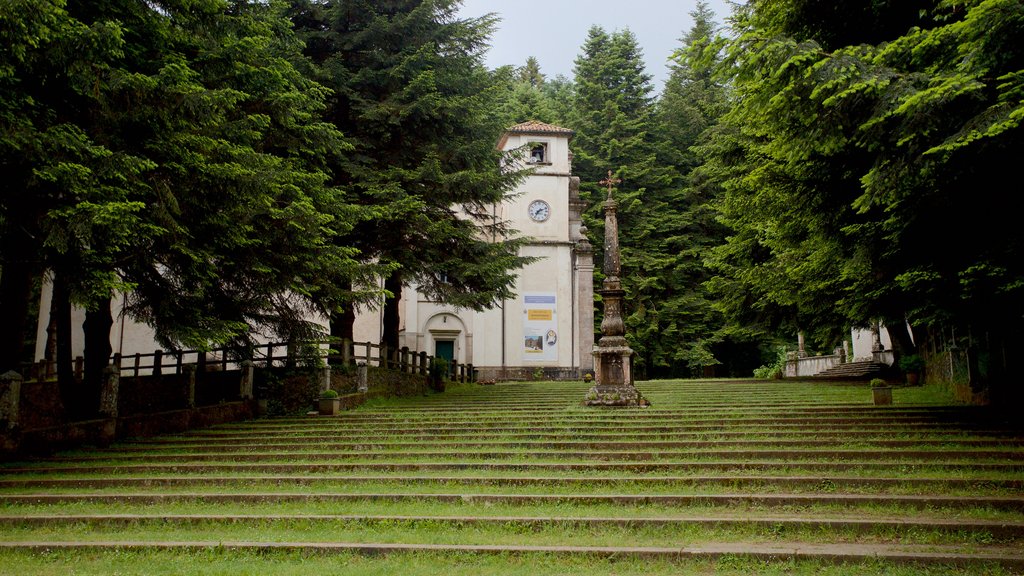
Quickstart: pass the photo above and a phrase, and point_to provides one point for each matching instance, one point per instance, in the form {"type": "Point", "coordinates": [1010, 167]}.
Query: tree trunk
{"type": "Point", "coordinates": [899, 336]}
{"type": "Point", "coordinates": [15, 291]}
{"type": "Point", "coordinates": [391, 320]}
{"type": "Point", "coordinates": [96, 327]}
{"type": "Point", "coordinates": [60, 308]}
{"type": "Point", "coordinates": [342, 329]}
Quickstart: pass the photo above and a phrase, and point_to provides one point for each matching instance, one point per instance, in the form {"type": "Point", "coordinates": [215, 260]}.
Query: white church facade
{"type": "Point", "coordinates": [546, 329]}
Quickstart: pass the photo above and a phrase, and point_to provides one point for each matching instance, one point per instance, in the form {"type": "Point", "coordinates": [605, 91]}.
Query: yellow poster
{"type": "Point", "coordinates": [544, 315]}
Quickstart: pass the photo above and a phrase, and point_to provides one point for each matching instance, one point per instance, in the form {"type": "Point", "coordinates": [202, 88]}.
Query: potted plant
{"type": "Point", "coordinates": [912, 366]}
{"type": "Point", "coordinates": [330, 403]}
{"type": "Point", "coordinates": [881, 392]}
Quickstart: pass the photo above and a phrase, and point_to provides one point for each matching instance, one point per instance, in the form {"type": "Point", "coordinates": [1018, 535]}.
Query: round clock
{"type": "Point", "coordinates": [539, 210]}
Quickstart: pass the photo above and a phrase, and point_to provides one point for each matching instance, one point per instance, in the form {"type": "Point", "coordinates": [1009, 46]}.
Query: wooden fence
{"type": "Point", "coordinates": [268, 355]}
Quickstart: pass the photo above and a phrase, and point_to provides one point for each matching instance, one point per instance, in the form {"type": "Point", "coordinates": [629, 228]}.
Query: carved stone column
{"type": "Point", "coordinates": [612, 356]}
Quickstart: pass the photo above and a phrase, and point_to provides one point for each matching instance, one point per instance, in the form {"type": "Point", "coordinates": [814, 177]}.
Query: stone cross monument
{"type": "Point", "coordinates": [612, 355]}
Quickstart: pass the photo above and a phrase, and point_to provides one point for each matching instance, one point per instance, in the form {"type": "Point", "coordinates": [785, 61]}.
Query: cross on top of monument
{"type": "Point", "coordinates": [610, 182]}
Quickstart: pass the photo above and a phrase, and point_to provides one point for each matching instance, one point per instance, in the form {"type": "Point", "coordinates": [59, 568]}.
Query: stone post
{"type": "Point", "coordinates": [800, 350]}
{"type": "Point", "coordinates": [10, 398]}
{"type": "Point", "coordinates": [245, 388]}
{"type": "Point", "coordinates": [109, 392]}
{"type": "Point", "coordinates": [423, 363]}
{"type": "Point", "coordinates": [190, 375]}
{"type": "Point", "coordinates": [876, 338]}
{"type": "Point", "coordinates": [876, 342]}
{"type": "Point", "coordinates": [362, 378]}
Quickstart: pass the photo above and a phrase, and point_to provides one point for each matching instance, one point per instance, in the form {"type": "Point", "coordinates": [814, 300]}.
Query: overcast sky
{"type": "Point", "coordinates": [553, 31]}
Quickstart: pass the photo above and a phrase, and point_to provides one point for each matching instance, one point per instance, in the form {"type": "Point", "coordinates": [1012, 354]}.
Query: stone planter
{"type": "Point", "coordinates": [882, 395]}
{"type": "Point", "coordinates": [330, 406]}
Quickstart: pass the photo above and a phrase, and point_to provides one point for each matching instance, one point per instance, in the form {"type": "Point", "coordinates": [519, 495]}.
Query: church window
{"type": "Point", "coordinates": [538, 153]}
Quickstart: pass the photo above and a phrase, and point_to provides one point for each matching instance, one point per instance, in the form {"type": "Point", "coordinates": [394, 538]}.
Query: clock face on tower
{"type": "Point", "coordinates": [539, 210]}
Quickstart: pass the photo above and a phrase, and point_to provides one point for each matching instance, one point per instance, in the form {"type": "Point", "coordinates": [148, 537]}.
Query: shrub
{"type": "Point", "coordinates": [877, 383]}
{"type": "Point", "coordinates": [911, 363]}
{"type": "Point", "coordinates": [438, 368]}
{"type": "Point", "coordinates": [329, 394]}
{"type": "Point", "coordinates": [774, 370]}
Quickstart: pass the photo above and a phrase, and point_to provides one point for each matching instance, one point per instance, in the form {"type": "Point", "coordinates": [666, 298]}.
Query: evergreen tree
{"type": "Point", "coordinates": [674, 321]}
{"type": "Point", "coordinates": [530, 73]}
{"type": "Point", "coordinates": [171, 152]}
{"type": "Point", "coordinates": [411, 90]}
{"type": "Point", "coordinates": [523, 99]}
{"type": "Point", "coordinates": [872, 129]}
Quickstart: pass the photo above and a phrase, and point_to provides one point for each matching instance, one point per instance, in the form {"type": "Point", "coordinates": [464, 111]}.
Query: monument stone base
{"type": "Point", "coordinates": [615, 395]}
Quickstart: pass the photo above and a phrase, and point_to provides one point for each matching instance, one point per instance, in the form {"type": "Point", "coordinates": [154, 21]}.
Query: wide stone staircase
{"type": "Point", "coordinates": [856, 370]}
{"type": "Point", "coordinates": [716, 477]}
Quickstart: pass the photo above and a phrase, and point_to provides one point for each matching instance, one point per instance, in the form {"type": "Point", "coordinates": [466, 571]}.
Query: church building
{"type": "Point", "coordinates": [540, 330]}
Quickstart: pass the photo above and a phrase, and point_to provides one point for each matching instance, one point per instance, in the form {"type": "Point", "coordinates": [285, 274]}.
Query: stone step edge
{"type": "Point", "coordinates": [782, 440]}
{"type": "Point", "coordinates": [831, 481]}
{"type": "Point", "coordinates": [637, 466]}
{"type": "Point", "coordinates": [634, 451]}
{"type": "Point", "coordinates": [994, 527]}
{"type": "Point", "coordinates": [876, 456]}
{"type": "Point", "coordinates": [781, 499]}
{"type": "Point", "coordinates": [838, 553]}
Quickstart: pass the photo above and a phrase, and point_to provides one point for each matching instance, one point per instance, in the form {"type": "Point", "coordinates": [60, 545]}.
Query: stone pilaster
{"type": "Point", "coordinates": [585, 296]}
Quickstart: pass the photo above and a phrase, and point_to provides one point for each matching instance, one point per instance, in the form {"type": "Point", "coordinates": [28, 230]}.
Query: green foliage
{"type": "Point", "coordinates": [410, 90]}
{"type": "Point", "coordinates": [439, 369]}
{"type": "Point", "coordinates": [911, 363]}
{"type": "Point", "coordinates": [666, 222]}
{"type": "Point", "coordinates": [174, 153]}
{"type": "Point", "coordinates": [329, 394]}
{"type": "Point", "coordinates": [854, 149]}
{"type": "Point", "coordinates": [877, 383]}
{"type": "Point", "coordinates": [776, 368]}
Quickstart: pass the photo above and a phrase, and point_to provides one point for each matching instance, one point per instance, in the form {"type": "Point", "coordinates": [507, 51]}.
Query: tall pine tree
{"type": "Point", "coordinates": [412, 92]}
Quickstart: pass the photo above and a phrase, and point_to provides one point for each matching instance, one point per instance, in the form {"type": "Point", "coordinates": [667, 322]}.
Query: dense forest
{"type": "Point", "coordinates": [235, 166]}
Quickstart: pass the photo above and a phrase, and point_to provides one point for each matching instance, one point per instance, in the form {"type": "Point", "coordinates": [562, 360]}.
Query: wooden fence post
{"type": "Point", "coordinates": [190, 398]}
{"type": "Point", "coordinates": [246, 385]}
{"type": "Point", "coordinates": [158, 362]}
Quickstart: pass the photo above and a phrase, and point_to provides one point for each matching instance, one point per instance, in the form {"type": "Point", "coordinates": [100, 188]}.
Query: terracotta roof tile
{"type": "Point", "coordinates": [535, 127]}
